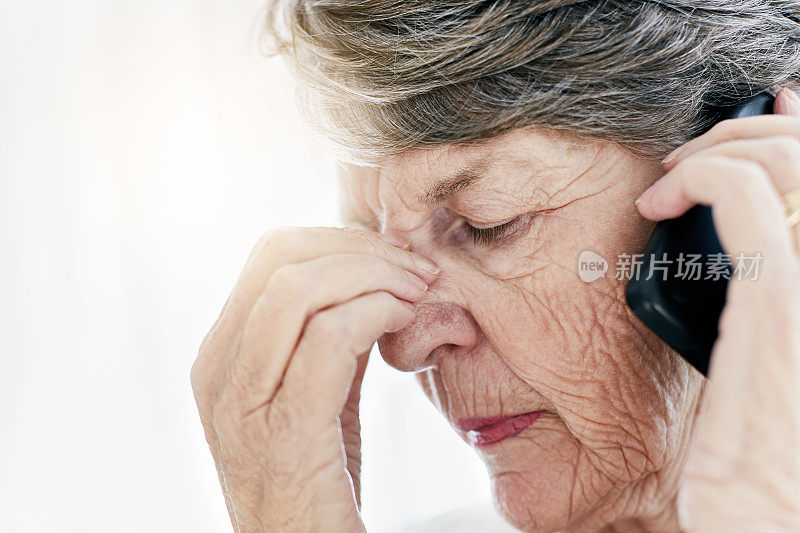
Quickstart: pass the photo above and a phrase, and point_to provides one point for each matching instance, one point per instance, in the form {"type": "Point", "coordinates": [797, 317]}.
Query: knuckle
{"type": "Point", "coordinates": [384, 300]}
{"type": "Point", "coordinates": [378, 250]}
{"type": "Point", "coordinates": [360, 232]}
{"type": "Point", "coordinates": [785, 148]}
{"type": "Point", "coordinates": [326, 327]}
{"type": "Point", "coordinates": [197, 376]}
{"type": "Point", "coordinates": [266, 239]}
{"type": "Point", "coordinates": [750, 179]}
{"type": "Point", "coordinates": [214, 345]}
{"type": "Point", "coordinates": [724, 127]}
{"type": "Point", "coordinates": [203, 385]}
{"type": "Point", "coordinates": [207, 377]}
{"type": "Point", "coordinates": [286, 282]}
{"type": "Point", "coordinates": [278, 240]}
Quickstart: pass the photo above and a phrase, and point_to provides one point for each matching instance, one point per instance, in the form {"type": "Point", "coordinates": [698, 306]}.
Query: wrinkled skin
{"type": "Point", "coordinates": [630, 437]}
{"type": "Point", "coordinates": [509, 327]}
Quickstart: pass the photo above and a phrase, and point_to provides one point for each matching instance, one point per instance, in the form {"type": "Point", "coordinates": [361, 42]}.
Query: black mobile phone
{"type": "Point", "coordinates": [680, 309]}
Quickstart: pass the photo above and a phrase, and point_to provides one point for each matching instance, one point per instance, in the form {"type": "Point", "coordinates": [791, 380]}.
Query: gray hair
{"type": "Point", "coordinates": [385, 76]}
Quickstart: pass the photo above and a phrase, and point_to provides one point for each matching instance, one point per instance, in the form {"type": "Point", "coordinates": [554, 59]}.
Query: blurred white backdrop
{"type": "Point", "coordinates": [144, 147]}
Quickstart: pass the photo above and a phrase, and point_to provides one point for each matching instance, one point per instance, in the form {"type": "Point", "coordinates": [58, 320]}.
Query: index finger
{"type": "Point", "coordinates": [287, 245]}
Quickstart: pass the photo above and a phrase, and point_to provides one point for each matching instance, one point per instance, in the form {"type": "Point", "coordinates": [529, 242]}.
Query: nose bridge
{"type": "Point", "coordinates": [397, 191]}
{"type": "Point", "coordinates": [443, 318]}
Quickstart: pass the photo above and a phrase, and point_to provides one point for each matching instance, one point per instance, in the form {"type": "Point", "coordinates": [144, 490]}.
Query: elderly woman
{"type": "Point", "coordinates": [487, 144]}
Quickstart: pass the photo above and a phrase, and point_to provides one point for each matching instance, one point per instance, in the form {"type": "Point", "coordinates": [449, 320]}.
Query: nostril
{"type": "Point", "coordinates": [449, 349]}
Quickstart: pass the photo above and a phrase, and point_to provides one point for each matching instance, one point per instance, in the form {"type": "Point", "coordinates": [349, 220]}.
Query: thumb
{"type": "Point", "coordinates": [787, 102]}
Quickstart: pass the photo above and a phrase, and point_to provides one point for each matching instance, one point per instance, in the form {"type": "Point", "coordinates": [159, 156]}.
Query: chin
{"type": "Point", "coordinates": [536, 478]}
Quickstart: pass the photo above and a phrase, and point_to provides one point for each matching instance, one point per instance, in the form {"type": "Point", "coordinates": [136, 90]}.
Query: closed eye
{"type": "Point", "coordinates": [490, 235]}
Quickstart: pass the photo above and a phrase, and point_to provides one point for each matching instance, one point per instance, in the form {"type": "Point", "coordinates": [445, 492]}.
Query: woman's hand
{"type": "Point", "coordinates": [277, 379]}
{"type": "Point", "coordinates": [743, 469]}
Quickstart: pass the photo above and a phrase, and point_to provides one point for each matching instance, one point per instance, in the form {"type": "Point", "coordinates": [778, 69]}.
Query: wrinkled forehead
{"type": "Point", "coordinates": [421, 179]}
{"type": "Point", "coordinates": [531, 147]}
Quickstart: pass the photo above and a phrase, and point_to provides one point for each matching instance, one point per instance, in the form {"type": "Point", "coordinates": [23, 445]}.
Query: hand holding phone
{"type": "Point", "coordinates": [680, 306]}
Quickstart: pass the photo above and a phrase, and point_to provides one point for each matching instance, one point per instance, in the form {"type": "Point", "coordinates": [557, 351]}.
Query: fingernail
{"type": "Point", "coordinates": [644, 197]}
{"type": "Point", "coordinates": [792, 99]}
{"type": "Point", "coordinates": [428, 265]}
{"type": "Point", "coordinates": [418, 282]}
{"type": "Point", "coordinates": [671, 156]}
{"type": "Point", "coordinates": [395, 240]}
{"type": "Point", "coordinates": [792, 95]}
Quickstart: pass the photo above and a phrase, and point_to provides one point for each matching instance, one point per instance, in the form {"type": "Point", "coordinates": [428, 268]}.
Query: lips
{"type": "Point", "coordinates": [488, 430]}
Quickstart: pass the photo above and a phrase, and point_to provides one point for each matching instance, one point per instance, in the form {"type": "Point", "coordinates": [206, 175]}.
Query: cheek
{"type": "Point", "coordinates": [578, 346]}
{"type": "Point", "coordinates": [578, 343]}
{"type": "Point", "coordinates": [561, 332]}
{"type": "Point", "coordinates": [557, 331]}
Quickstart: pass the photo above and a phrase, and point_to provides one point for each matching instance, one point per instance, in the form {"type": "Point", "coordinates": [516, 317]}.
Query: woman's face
{"type": "Point", "coordinates": [509, 327]}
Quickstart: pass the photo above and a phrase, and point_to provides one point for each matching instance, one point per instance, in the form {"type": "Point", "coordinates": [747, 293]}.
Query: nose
{"type": "Point", "coordinates": [442, 324]}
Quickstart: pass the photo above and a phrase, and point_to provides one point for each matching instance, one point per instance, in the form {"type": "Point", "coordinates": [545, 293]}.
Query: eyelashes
{"type": "Point", "coordinates": [495, 234]}
{"type": "Point", "coordinates": [486, 236]}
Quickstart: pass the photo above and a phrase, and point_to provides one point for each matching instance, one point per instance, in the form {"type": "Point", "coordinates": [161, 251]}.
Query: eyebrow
{"type": "Point", "coordinates": [447, 188]}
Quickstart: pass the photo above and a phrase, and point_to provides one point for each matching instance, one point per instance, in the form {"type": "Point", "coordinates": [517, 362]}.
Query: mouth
{"type": "Point", "coordinates": [488, 430]}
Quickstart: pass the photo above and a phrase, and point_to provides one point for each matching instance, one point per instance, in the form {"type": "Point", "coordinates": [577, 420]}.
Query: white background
{"type": "Point", "coordinates": [144, 147]}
